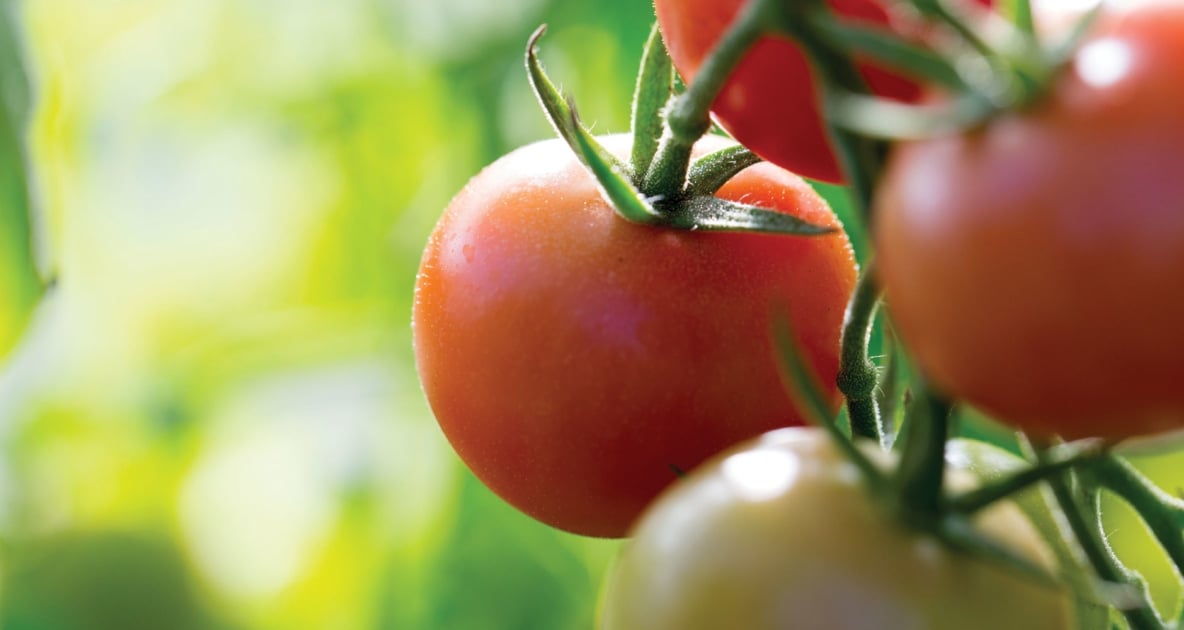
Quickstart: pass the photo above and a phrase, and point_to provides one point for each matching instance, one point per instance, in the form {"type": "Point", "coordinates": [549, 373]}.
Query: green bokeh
{"type": "Point", "coordinates": [214, 421]}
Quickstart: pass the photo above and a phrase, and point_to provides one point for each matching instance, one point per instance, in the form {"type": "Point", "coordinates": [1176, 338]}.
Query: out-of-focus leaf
{"type": "Point", "coordinates": [499, 569]}
{"type": "Point", "coordinates": [101, 581]}
{"type": "Point", "coordinates": [19, 283]}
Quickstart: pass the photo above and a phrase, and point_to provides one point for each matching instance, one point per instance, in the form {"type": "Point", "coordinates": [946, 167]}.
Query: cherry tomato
{"type": "Point", "coordinates": [782, 533]}
{"type": "Point", "coordinates": [1035, 266]}
{"type": "Point", "coordinates": [577, 361]}
{"type": "Point", "coordinates": [769, 103]}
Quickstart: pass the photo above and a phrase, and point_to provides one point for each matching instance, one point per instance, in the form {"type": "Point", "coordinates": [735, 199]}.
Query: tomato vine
{"type": "Point", "coordinates": [1012, 75]}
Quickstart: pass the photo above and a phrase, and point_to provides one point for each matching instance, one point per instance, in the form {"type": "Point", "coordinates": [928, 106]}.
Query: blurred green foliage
{"type": "Point", "coordinates": [212, 420]}
{"type": "Point", "coordinates": [19, 283]}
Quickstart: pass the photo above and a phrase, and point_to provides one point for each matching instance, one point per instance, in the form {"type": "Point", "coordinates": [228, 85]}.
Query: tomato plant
{"type": "Point", "coordinates": [770, 102]}
{"type": "Point", "coordinates": [1035, 265]}
{"type": "Point", "coordinates": [782, 533]}
{"type": "Point", "coordinates": [577, 361]}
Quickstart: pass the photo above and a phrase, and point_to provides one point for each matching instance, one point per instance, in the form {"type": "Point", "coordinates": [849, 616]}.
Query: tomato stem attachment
{"type": "Point", "coordinates": [683, 208]}
{"type": "Point", "coordinates": [689, 116]}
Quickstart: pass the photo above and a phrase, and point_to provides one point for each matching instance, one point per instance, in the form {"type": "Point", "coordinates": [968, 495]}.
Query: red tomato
{"type": "Point", "coordinates": [769, 103]}
{"type": "Point", "coordinates": [781, 533]}
{"type": "Point", "coordinates": [575, 360]}
{"type": "Point", "coordinates": [1036, 266]}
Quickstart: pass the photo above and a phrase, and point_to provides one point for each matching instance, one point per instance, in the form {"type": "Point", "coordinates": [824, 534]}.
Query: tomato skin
{"type": "Point", "coordinates": [781, 533]}
{"type": "Point", "coordinates": [573, 358]}
{"type": "Point", "coordinates": [770, 103]}
{"type": "Point", "coordinates": [1035, 267]}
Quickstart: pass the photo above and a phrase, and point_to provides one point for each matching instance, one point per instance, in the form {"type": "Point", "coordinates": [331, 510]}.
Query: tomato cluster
{"type": "Point", "coordinates": [1031, 259]}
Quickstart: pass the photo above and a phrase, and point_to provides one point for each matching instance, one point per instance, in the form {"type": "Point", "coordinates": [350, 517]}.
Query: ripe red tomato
{"type": "Point", "coordinates": [769, 103]}
{"type": "Point", "coordinates": [575, 359]}
{"type": "Point", "coordinates": [1036, 266]}
{"type": "Point", "coordinates": [782, 533]}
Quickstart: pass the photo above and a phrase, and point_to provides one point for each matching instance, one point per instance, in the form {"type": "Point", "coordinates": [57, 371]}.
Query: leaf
{"type": "Point", "coordinates": [629, 202]}
{"type": "Point", "coordinates": [1021, 15]}
{"type": "Point", "coordinates": [559, 110]}
{"type": "Point", "coordinates": [705, 212]}
{"type": "Point", "coordinates": [1060, 52]}
{"type": "Point", "coordinates": [609, 171]}
{"type": "Point", "coordinates": [20, 284]}
{"type": "Point", "coordinates": [890, 120]}
{"type": "Point", "coordinates": [889, 49]}
{"type": "Point", "coordinates": [713, 170]}
{"type": "Point", "coordinates": [655, 86]}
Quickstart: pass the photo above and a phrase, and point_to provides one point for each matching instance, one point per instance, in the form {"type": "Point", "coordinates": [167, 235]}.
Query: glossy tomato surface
{"type": "Point", "coordinates": [576, 360]}
{"type": "Point", "coordinates": [770, 102]}
{"type": "Point", "coordinates": [783, 533]}
{"type": "Point", "coordinates": [1035, 267]}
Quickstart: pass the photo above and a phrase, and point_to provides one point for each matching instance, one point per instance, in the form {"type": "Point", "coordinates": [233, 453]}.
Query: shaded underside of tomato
{"type": "Point", "coordinates": [770, 103]}
{"type": "Point", "coordinates": [1036, 266]}
{"type": "Point", "coordinates": [577, 361]}
{"type": "Point", "coordinates": [782, 533]}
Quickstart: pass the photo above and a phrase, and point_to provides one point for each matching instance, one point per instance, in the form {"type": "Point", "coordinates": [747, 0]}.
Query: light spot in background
{"type": "Point", "coordinates": [253, 512]}
{"type": "Point", "coordinates": [455, 28]}
{"type": "Point", "coordinates": [259, 506]}
{"type": "Point", "coordinates": [1104, 62]}
{"type": "Point", "coordinates": [761, 474]}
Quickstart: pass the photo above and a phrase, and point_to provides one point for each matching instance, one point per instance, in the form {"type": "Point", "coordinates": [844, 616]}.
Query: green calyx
{"type": "Point", "coordinates": [983, 71]}
{"type": "Point", "coordinates": [661, 184]}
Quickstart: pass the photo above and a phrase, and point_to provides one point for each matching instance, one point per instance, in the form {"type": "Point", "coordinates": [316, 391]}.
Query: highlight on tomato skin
{"type": "Point", "coordinates": [781, 532]}
{"type": "Point", "coordinates": [577, 361]}
{"type": "Point", "coordinates": [771, 103]}
{"type": "Point", "coordinates": [1033, 266]}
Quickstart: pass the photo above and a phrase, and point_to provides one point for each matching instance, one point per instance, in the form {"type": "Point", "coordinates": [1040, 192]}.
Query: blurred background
{"type": "Point", "coordinates": [210, 418]}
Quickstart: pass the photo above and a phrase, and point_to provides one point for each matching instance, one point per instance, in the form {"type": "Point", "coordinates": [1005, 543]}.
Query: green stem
{"type": "Point", "coordinates": [921, 474]}
{"type": "Point", "coordinates": [1084, 519]}
{"type": "Point", "coordinates": [690, 113]}
{"type": "Point", "coordinates": [1163, 513]}
{"type": "Point", "coordinates": [802, 381]}
{"type": "Point", "coordinates": [861, 158]}
{"type": "Point", "coordinates": [857, 377]}
{"type": "Point", "coordinates": [942, 12]}
{"type": "Point", "coordinates": [655, 84]}
{"type": "Point", "coordinates": [984, 496]}
{"type": "Point", "coordinates": [862, 163]}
